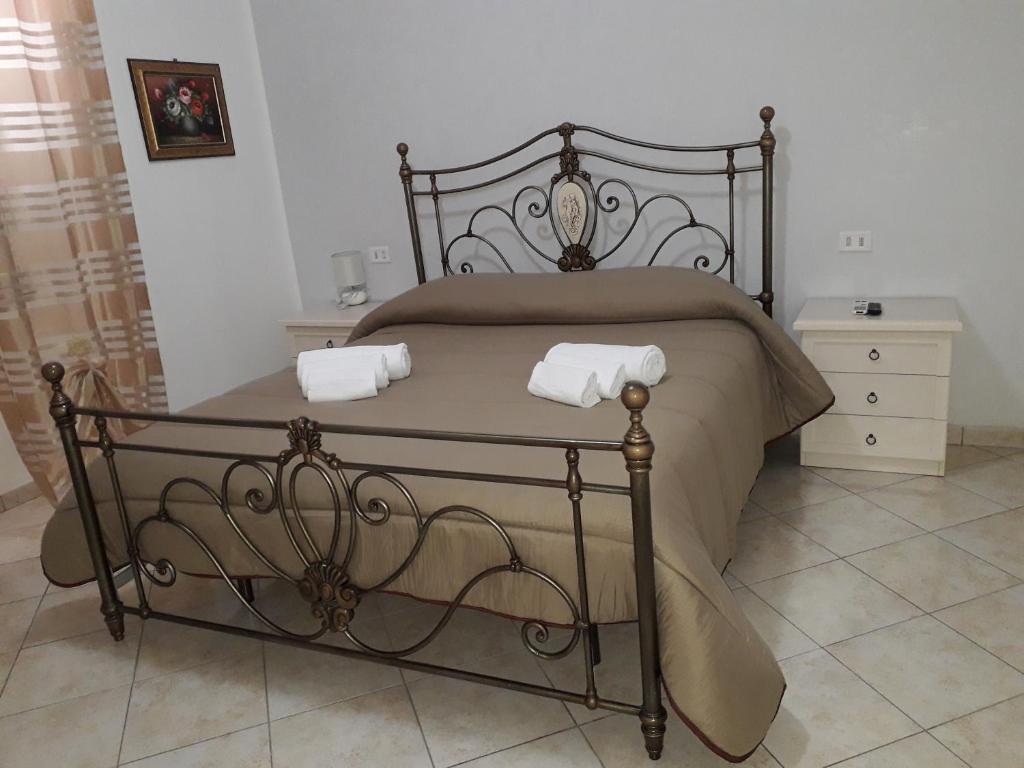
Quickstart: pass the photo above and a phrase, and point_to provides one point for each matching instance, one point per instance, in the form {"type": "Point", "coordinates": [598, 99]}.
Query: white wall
{"type": "Point", "coordinates": [213, 232]}
{"type": "Point", "coordinates": [902, 118]}
{"type": "Point", "coordinates": [12, 471]}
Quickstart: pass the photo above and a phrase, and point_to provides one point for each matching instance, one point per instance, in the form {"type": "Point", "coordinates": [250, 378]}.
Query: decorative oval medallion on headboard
{"type": "Point", "coordinates": [572, 210]}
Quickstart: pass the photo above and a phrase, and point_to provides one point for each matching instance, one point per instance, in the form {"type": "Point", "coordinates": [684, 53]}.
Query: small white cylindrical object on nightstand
{"type": "Point", "coordinates": [350, 277]}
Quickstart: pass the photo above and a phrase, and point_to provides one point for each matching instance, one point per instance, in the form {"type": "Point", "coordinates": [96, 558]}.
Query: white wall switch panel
{"type": "Point", "coordinates": [379, 254]}
{"type": "Point", "coordinates": [855, 240]}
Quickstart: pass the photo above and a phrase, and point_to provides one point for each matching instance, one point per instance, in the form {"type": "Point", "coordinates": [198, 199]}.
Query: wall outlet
{"type": "Point", "coordinates": [379, 254]}
{"type": "Point", "coordinates": [855, 240]}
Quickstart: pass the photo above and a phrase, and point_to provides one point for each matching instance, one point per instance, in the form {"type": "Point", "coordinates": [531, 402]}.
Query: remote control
{"type": "Point", "coordinates": [865, 307]}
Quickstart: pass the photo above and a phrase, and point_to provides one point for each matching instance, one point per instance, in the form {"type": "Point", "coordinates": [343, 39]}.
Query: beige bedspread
{"type": "Point", "coordinates": [735, 381]}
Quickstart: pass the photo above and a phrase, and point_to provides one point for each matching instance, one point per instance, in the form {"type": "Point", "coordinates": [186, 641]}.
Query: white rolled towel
{"type": "Point", "coordinates": [398, 360]}
{"type": "Point", "coordinates": [564, 384]}
{"type": "Point", "coordinates": [323, 369]}
{"type": "Point", "coordinates": [645, 364]}
{"type": "Point", "coordinates": [354, 384]}
{"type": "Point", "coordinates": [611, 375]}
{"type": "Point", "coordinates": [397, 356]}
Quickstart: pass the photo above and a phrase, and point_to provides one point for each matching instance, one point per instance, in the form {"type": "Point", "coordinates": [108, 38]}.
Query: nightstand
{"type": "Point", "coordinates": [322, 328]}
{"type": "Point", "coordinates": [890, 375]}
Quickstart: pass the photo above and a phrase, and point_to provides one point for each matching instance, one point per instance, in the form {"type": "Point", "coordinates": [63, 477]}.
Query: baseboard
{"type": "Point", "coordinates": [18, 496]}
{"type": "Point", "coordinates": [999, 437]}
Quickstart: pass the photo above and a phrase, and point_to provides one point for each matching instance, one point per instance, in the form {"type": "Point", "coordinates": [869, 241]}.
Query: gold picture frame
{"type": "Point", "coordinates": [182, 109]}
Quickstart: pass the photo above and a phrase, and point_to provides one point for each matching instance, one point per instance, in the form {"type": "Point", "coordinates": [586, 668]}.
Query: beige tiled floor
{"type": "Point", "coordinates": [895, 605]}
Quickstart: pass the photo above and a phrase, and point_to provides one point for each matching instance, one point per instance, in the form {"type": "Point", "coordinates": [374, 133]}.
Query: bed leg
{"type": "Point", "coordinates": [638, 449]}
{"type": "Point", "coordinates": [62, 409]}
{"type": "Point", "coordinates": [245, 587]}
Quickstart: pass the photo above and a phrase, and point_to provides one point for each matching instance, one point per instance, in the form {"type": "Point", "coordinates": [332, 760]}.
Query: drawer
{"type": "Point", "coordinates": [302, 342]}
{"type": "Point", "coordinates": [889, 394]}
{"type": "Point", "coordinates": [914, 353]}
{"type": "Point", "coordinates": [876, 436]}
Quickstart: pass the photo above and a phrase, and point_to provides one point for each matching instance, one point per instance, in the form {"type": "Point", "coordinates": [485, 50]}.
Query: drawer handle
{"type": "Point", "coordinates": [870, 440]}
{"type": "Point", "coordinates": [872, 398]}
{"type": "Point", "coordinates": [873, 354]}
{"type": "Point", "coordinates": [330, 343]}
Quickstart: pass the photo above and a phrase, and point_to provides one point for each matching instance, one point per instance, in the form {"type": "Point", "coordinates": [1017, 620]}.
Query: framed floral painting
{"type": "Point", "coordinates": [182, 109]}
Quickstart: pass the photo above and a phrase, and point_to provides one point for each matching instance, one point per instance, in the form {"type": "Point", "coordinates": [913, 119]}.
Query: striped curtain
{"type": "Point", "coordinates": [72, 286]}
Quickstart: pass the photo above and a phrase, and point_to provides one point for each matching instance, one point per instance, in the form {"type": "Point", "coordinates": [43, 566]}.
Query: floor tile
{"type": "Point", "coordinates": [958, 456]}
{"type": "Point", "coordinates": [782, 488]}
{"type": "Point", "coordinates": [768, 548]}
{"type": "Point", "coordinates": [751, 511]}
{"type": "Point", "coordinates": [183, 708]}
{"type": "Point", "coordinates": [469, 636]}
{"type": "Point", "coordinates": [62, 670]}
{"type": "Point", "coordinates": [828, 715]}
{"type": "Point", "coordinates": [834, 601]}
{"type": "Point", "coordinates": [20, 543]}
{"type": "Point", "coordinates": [992, 738]}
{"type": "Point", "coordinates": [850, 524]}
{"type": "Point", "coordinates": [15, 619]}
{"type": "Point", "coordinates": [202, 598]}
{"type": "Point", "coordinates": [81, 733]}
{"type": "Point", "coordinates": [168, 647]}
{"type": "Point", "coordinates": [931, 573]}
{"type": "Point", "coordinates": [929, 671]}
{"type": "Point", "coordinates": [462, 720]}
{"type": "Point", "coordinates": [6, 662]}
{"type": "Point", "coordinates": [1002, 481]}
{"type": "Point", "coordinates": [618, 674]}
{"type": "Point", "coordinates": [68, 612]}
{"type": "Point", "coordinates": [995, 622]}
{"type": "Point", "coordinates": [858, 480]}
{"type": "Point", "coordinates": [31, 513]}
{"type": "Point", "coordinates": [567, 749]}
{"type": "Point", "coordinates": [783, 638]}
{"type": "Point", "coordinates": [919, 751]}
{"type": "Point", "coordinates": [21, 579]}
{"type": "Point", "coordinates": [243, 749]}
{"type": "Point", "coordinates": [1000, 450]}
{"type": "Point", "coordinates": [730, 580]}
{"type": "Point", "coordinates": [999, 539]}
{"type": "Point", "coordinates": [371, 731]}
{"type": "Point", "coordinates": [618, 742]}
{"type": "Point", "coordinates": [298, 679]}
{"type": "Point", "coordinates": [933, 502]}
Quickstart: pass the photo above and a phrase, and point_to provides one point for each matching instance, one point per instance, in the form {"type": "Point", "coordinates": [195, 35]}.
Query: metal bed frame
{"type": "Point", "coordinates": [324, 583]}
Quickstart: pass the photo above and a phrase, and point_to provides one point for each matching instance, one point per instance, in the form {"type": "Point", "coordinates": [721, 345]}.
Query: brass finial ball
{"type": "Point", "coordinates": [403, 148]}
{"type": "Point", "coordinates": [767, 114]}
{"type": "Point", "coordinates": [635, 396]}
{"type": "Point", "coordinates": [53, 372]}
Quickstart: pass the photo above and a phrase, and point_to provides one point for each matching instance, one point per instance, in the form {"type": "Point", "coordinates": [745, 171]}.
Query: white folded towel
{"type": "Point", "coordinates": [611, 374]}
{"type": "Point", "coordinates": [645, 364]}
{"type": "Point", "coordinates": [399, 362]}
{"type": "Point", "coordinates": [564, 384]}
{"type": "Point", "coordinates": [354, 384]}
{"type": "Point", "coordinates": [324, 369]}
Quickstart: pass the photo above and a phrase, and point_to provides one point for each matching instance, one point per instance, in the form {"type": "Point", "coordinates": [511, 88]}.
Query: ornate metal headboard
{"type": "Point", "coordinates": [575, 206]}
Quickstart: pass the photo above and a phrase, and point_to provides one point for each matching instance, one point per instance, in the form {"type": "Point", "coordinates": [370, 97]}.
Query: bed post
{"type": "Point", "coordinates": [767, 144]}
{"type": "Point", "coordinates": [638, 449]}
{"type": "Point", "coordinates": [62, 409]}
{"type": "Point", "coordinates": [405, 173]}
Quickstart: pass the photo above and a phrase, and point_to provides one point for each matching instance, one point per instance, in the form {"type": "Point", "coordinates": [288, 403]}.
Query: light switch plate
{"type": "Point", "coordinates": [855, 240]}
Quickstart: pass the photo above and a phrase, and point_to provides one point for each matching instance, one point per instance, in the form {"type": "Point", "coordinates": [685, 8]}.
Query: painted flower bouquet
{"type": "Point", "coordinates": [188, 107]}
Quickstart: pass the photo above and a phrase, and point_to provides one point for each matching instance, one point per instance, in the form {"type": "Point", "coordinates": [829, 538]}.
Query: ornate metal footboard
{"type": "Point", "coordinates": [325, 582]}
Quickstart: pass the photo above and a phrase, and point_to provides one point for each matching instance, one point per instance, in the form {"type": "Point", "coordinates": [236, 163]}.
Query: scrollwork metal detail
{"type": "Point", "coordinates": [324, 580]}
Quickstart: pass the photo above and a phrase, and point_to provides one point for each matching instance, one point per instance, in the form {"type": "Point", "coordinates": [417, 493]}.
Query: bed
{"type": "Point", "coordinates": [457, 487]}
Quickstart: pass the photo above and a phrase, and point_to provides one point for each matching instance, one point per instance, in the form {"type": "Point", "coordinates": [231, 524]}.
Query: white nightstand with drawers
{"type": "Point", "coordinates": [322, 328]}
{"type": "Point", "coordinates": [890, 375]}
